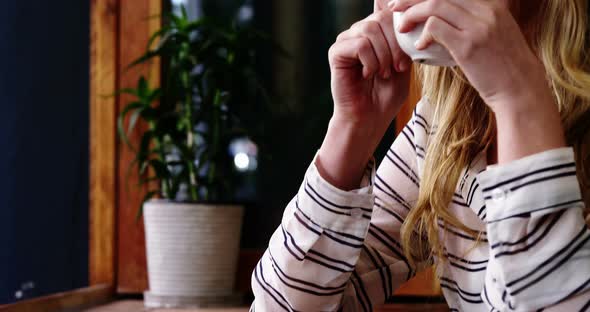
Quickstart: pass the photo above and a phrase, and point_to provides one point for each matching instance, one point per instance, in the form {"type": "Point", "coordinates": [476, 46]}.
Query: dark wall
{"type": "Point", "coordinates": [44, 77]}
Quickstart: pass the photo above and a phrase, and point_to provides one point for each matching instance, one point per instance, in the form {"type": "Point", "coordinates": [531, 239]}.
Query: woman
{"type": "Point", "coordinates": [487, 181]}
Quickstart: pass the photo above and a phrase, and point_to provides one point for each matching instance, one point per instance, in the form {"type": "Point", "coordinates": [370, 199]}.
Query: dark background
{"type": "Point", "coordinates": [44, 78]}
{"type": "Point", "coordinates": [300, 84]}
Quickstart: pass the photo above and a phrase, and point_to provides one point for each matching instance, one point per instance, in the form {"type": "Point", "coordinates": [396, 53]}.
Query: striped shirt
{"type": "Point", "coordinates": [337, 250]}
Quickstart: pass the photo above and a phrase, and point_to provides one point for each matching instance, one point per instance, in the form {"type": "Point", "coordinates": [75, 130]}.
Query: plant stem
{"type": "Point", "coordinates": [158, 145]}
{"type": "Point", "coordinates": [190, 143]}
{"type": "Point", "coordinates": [215, 139]}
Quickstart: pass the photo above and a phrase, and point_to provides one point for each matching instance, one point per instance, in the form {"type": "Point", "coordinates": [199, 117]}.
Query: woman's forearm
{"type": "Point", "coordinates": [530, 124]}
{"type": "Point", "coordinates": [345, 152]}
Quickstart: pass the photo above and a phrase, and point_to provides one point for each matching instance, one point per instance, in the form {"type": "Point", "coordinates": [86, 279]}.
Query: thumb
{"type": "Point", "coordinates": [437, 30]}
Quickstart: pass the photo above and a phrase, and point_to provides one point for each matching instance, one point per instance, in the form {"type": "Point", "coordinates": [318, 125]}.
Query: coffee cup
{"type": "Point", "coordinates": [435, 54]}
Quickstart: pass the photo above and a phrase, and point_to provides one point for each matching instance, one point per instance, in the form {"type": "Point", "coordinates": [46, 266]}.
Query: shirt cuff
{"type": "Point", "coordinates": [537, 184]}
{"type": "Point", "coordinates": [336, 209]}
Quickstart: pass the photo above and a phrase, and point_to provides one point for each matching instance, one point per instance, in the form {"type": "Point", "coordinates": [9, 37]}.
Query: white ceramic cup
{"type": "Point", "coordinates": [435, 54]}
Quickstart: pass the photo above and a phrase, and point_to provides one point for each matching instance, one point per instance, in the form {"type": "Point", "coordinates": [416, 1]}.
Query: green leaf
{"type": "Point", "coordinates": [231, 57]}
{"type": "Point", "coordinates": [121, 120]}
{"type": "Point", "coordinates": [133, 121]}
{"type": "Point", "coordinates": [143, 89]}
{"type": "Point", "coordinates": [179, 22]}
{"type": "Point", "coordinates": [196, 24]}
{"type": "Point", "coordinates": [158, 34]}
{"type": "Point", "coordinates": [143, 152]}
{"type": "Point", "coordinates": [142, 59]}
{"type": "Point", "coordinates": [126, 91]}
{"type": "Point", "coordinates": [150, 114]}
{"type": "Point", "coordinates": [154, 95]}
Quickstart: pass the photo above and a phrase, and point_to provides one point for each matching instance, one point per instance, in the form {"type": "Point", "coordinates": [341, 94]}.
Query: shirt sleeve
{"type": "Point", "coordinates": [337, 250]}
{"type": "Point", "coordinates": [539, 241]}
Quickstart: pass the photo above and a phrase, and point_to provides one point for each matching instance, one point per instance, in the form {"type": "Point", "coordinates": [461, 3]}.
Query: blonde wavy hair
{"type": "Point", "coordinates": [466, 125]}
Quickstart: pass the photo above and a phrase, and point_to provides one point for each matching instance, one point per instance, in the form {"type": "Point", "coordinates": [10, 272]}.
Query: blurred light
{"type": "Point", "coordinates": [243, 145]}
{"type": "Point", "coordinates": [245, 154]}
{"type": "Point", "coordinates": [242, 161]}
{"type": "Point", "coordinates": [246, 13]}
{"type": "Point", "coordinates": [179, 2]}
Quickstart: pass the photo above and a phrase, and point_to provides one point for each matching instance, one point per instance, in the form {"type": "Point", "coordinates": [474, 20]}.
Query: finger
{"type": "Point", "coordinates": [437, 30]}
{"type": "Point", "coordinates": [402, 5]}
{"type": "Point", "coordinates": [379, 5]}
{"type": "Point", "coordinates": [347, 53]}
{"type": "Point", "coordinates": [350, 37]}
{"type": "Point", "coordinates": [374, 32]}
{"type": "Point", "coordinates": [401, 61]}
{"type": "Point", "coordinates": [452, 14]}
{"type": "Point", "coordinates": [476, 7]}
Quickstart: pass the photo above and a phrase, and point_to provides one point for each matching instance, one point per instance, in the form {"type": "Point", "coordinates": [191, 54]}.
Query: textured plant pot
{"type": "Point", "coordinates": [192, 253]}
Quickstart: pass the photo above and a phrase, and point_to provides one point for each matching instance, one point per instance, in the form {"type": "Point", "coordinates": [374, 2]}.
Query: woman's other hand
{"type": "Point", "coordinates": [370, 73]}
{"type": "Point", "coordinates": [488, 44]}
{"type": "Point", "coordinates": [485, 40]}
{"type": "Point", "coordinates": [370, 83]}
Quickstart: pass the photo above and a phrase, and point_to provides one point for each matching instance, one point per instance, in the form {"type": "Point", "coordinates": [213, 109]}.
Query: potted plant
{"type": "Point", "coordinates": [210, 95]}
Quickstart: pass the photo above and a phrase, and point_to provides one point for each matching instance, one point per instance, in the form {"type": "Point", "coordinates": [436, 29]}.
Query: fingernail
{"type": "Point", "coordinates": [391, 3]}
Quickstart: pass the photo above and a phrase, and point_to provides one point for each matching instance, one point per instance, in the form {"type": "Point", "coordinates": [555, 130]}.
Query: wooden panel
{"type": "Point", "coordinates": [67, 301]}
{"type": "Point", "coordinates": [103, 70]}
{"type": "Point", "coordinates": [138, 19]}
{"type": "Point", "coordinates": [421, 285]}
{"type": "Point", "coordinates": [413, 307]}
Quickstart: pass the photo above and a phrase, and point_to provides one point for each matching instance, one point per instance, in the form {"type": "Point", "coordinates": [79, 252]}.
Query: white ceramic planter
{"type": "Point", "coordinates": [192, 252]}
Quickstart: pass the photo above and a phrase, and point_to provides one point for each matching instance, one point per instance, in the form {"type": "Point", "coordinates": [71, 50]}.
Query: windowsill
{"type": "Point", "coordinates": [137, 306]}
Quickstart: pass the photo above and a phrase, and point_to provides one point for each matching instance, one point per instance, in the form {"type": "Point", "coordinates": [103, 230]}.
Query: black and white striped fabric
{"type": "Point", "coordinates": [337, 250]}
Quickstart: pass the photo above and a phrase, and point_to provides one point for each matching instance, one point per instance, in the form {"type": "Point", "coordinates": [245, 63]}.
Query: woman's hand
{"type": "Point", "coordinates": [487, 43]}
{"type": "Point", "coordinates": [370, 73]}
{"type": "Point", "coordinates": [484, 39]}
{"type": "Point", "coordinates": [370, 82]}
